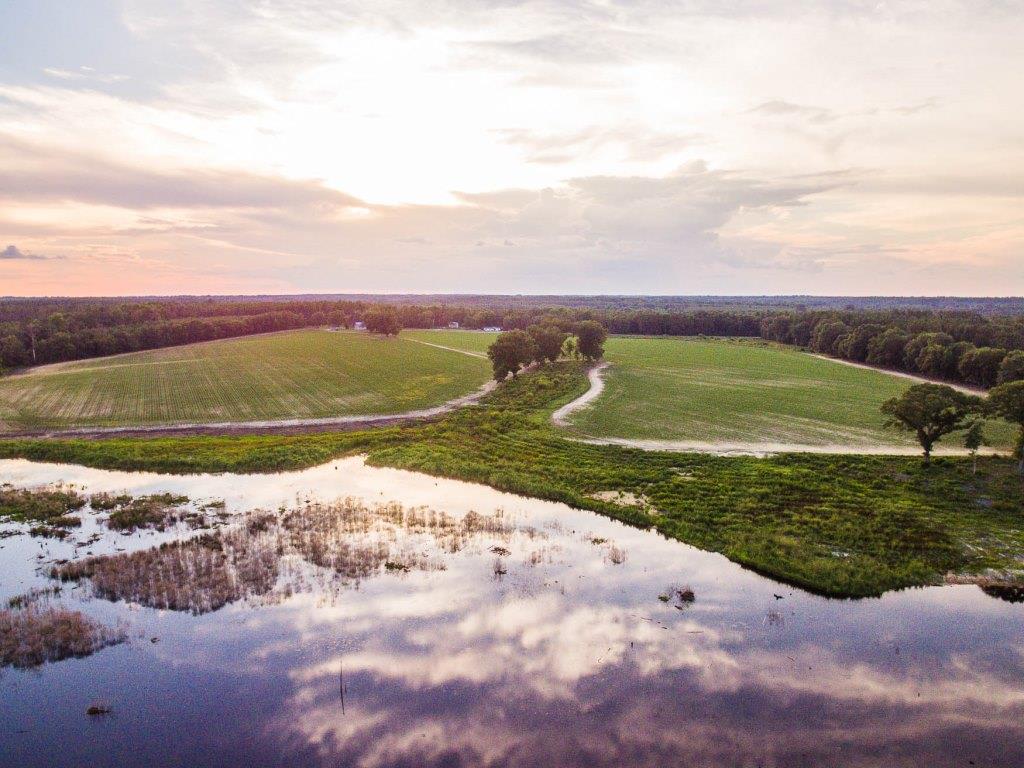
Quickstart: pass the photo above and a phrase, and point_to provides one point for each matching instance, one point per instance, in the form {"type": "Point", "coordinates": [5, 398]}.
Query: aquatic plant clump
{"type": "Point", "coordinates": [32, 635]}
{"type": "Point", "coordinates": [198, 575]}
{"type": "Point", "coordinates": [269, 557]}
{"type": "Point", "coordinates": [47, 510]}
{"type": "Point", "coordinates": [157, 512]}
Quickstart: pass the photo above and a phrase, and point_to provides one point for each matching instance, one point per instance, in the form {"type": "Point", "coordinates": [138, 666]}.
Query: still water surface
{"type": "Point", "coordinates": [530, 635]}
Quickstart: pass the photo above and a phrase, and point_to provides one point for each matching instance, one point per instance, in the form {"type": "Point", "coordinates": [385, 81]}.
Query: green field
{"type": "Point", "coordinates": [469, 341]}
{"type": "Point", "coordinates": [298, 374]}
{"type": "Point", "coordinates": [733, 391]}
{"type": "Point", "coordinates": [741, 391]}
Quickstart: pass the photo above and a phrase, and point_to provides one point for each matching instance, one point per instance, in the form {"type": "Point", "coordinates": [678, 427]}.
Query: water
{"type": "Point", "coordinates": [559, 652]}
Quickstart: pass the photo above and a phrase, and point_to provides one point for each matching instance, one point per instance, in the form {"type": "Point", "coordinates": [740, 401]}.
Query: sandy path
{"type": "Point", "coordinates": [770, 449]}
{"type": "Point", "coordinates": [725, 448]}
{"type": "Point", "coordinates": [919, 379]}
{"type": "Point", "coordinates": [595, 375]}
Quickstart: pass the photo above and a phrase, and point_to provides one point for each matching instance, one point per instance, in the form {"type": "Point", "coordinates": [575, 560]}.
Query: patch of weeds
{"type": "Point", "coordinates": [680, 597]}
{"type": "Point", "coordinates": [104, 502]}
{"type": "Point", "coordinates": [616, 555]}
{"type": "Point", "coordinates": [33, 596]}
{"type": "Point", "coordinates": [348, 541]}
{"type": "Point", "coordinates": [157, 511]}
{"type": "Point", "coordinates": [47, 511]}
{"type": "Point", "coordinates": [32, 635]}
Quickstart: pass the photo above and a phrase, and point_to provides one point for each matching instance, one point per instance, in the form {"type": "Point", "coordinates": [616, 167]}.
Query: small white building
{"type": "Point", "coordinates": [359, 326]}
{"type": "Point", "coordinates": [454, 325]}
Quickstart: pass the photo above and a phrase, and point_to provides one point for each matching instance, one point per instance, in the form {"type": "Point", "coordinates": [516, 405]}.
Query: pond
{"type": "Point", "coordinates": [351, 615]}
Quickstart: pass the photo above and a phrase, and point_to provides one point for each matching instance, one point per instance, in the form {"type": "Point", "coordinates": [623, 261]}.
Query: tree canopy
{"type": "Point", "coordinates": [383, 319]}
{"type": "Point", "coordinates": [511, 351]}
{"type": "Point", "coordinates": [592, 336]}
{"type": "Point", "coordinates": [930, 411]}
{"type": "Point", "coordinates": [548, 340]}
{"type": "Point", "coordinates": [1012, 368]}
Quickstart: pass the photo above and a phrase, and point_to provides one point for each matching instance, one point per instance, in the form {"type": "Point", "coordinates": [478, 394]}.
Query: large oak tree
{"type": "Point", "coordinates": [930, 411]}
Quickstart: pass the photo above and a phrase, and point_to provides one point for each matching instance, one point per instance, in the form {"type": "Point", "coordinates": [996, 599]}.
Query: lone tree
{"type": "Point", "coordinates": [974, 438]}
{"type": "Point", "coordinates": [548, 340]}
{"type": "Point", "coordinates": [931, 411]}
{"type": "Point", "coordinates": [383, 320]}
{"type": "Point", "coordinates": [1007, 400]}
{"type": "Point", "coordinates": [510, 352]}
{"type": "Point", "coordinates": [591, 337]}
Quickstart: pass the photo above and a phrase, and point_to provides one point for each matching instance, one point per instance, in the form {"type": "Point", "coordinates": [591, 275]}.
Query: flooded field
{"type": "Point", "coordinates": [348, 615]}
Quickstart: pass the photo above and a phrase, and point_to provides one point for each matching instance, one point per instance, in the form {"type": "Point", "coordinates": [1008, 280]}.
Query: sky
{"type": "Point", "coordinates": [836, 147]}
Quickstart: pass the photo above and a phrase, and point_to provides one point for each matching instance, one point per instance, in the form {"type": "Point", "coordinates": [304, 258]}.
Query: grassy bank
{"type": "Point", "coordinates": [838, 525]}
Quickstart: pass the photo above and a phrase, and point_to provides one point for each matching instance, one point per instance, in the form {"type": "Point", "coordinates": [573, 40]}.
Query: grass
{"type": "Point", "coordinates": [48, 511]}
{"type": "Point", "coordinates": [845, 526]}
{"type": "Point", "coordinates": [128, 514]}
{"type": "Point", "coordinates": [468, 341]}
{"type": "Point", "coordinates": [732, 390]}
{"type": "Point", "coordinates": [746, 391]}
{"type": "Point", "coordinates": [299, 374]}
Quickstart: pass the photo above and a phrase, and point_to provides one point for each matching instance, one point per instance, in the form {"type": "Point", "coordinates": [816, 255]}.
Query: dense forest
{"type": "Point", "coordinates": [957, 345]}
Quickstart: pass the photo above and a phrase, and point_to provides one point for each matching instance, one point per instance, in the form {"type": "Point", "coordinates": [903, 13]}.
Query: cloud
{"type": "Point", "coordinates": [83, 74]}
{"type": "Point", "coordinates": [12, 252]}
{"type": "Point", "coordinates": [782, 108]}
{"type": "Point", "coordinates": [635, 142]}
{"type": "Point", "coordinates": [549, 49]}
{"type": "Point", "coordinates": [35, 173]}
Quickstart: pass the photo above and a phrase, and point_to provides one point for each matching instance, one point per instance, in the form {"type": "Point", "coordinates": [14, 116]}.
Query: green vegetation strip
{"type": "Point", "coordinates": [839, 525]}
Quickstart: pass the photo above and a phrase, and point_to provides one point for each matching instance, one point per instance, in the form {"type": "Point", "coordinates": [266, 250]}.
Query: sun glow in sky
{"type": "Point", "coordinates": [558, 146]}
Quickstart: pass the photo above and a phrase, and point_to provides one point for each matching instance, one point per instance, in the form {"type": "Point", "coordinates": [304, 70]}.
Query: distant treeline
{"type": "Point", "coordinates": [952, 345]}
{"type": "Point", "coordinates": [983, 305]}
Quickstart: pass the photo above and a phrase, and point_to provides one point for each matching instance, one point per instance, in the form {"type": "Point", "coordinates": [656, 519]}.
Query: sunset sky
{"type": "Point", "coordinates": [692, 147]}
